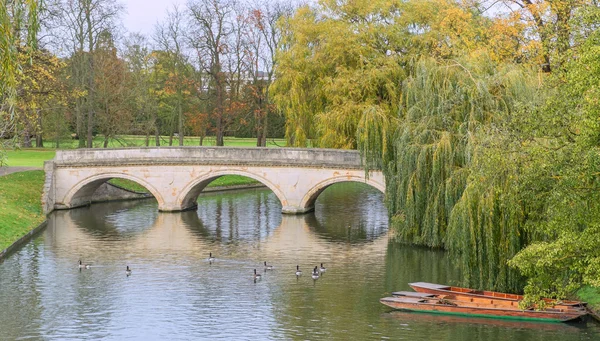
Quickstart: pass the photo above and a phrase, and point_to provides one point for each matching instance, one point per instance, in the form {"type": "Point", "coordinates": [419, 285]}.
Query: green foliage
{"type": "Point", "coordinates": [562, 180]}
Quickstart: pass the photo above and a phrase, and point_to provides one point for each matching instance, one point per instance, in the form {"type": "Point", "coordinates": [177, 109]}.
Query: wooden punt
{"type": "Point", "coordinates": [465, 308]}
{"type": "Point", "coordinates": [484, 295]}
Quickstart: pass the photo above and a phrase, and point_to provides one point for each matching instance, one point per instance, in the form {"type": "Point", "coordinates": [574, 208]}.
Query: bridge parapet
{"type": "Point", "coordinates": [296, 157]}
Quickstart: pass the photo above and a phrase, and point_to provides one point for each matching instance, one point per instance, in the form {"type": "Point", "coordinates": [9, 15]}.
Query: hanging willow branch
{"type": "Point", "coordinates": [445, 188]}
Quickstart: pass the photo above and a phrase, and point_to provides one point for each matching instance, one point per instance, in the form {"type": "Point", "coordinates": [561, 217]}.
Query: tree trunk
{"type": "Point", "coordinates": [219, 133]}
{"type": "Point", "coordinates": [80, 127]}
{"type": "Point", "coordinates": [258, 137]}
{"type": "Point", "coordinates": [26, 138]}
{"type": "Point", "coordinates": [180, 119]}
{"type": "Point", "coordinates": [90, 97]}
{"type": "Point", "coordinates": [171, 139]}
{"type": "Point", "coordinates": [263, 143]}
{"type": "Point", "coordinates": [90, 128]}
{"type": "Point", "coordinates": [147, 139]}
{"type": "Point", "coordinates": [219, 129]}
{"type": "Point", "coordinates": [105, 141]}
{"type": "Point", "coordinates": [39, 142]}
{"type": "Point", "coordinates": [156, 131]}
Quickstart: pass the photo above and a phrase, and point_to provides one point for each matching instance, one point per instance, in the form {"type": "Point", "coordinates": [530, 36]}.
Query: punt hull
{"type": "Point", "coordinates": [429, 306]}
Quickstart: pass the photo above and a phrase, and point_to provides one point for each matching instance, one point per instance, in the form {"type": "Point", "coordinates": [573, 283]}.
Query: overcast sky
{"type": "Point", "coordinates": [142, 15]}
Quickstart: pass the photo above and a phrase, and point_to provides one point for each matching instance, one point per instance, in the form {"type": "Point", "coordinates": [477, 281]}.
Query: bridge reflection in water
{"type": "Point", "coordinates": [136, 228]}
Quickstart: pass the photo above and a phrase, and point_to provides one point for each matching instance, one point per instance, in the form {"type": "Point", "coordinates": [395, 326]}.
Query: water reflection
{"type": "Point", "coordinates": [113, 219]}
{"type": "Point", "coordinates": [175, 293]}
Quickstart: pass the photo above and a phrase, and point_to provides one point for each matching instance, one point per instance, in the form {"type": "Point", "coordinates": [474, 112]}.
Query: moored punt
{"type": "Point", "coordinates": [457, 307]}
{"type": "Point", "coordinates": [475, 295]}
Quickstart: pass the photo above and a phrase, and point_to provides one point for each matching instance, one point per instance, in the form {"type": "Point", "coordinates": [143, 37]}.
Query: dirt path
{"type": "Point", "coordinates": [9, 170]}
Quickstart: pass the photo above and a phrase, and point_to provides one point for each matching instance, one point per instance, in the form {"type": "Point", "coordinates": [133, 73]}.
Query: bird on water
{"type": "Point", "coordinates": [315, 273]}
{"type": "Point", "coordinates": [128, 271]}
{"type": "Point", "coordinates": [84, 266]}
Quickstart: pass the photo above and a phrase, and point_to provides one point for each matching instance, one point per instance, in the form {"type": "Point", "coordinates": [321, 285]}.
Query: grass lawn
{"type": "Point", "coordinates": [140, 141]}
{"type": "Point", "coordinates": [35, 157]}
{"type": "Point", "coordinates": [29, 157]}
{"type": "Point", "coordinates": [21, 207]}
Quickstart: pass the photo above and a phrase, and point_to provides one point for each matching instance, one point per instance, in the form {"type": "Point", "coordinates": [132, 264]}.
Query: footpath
{"type": "Point", "coordinates": [10, 170]}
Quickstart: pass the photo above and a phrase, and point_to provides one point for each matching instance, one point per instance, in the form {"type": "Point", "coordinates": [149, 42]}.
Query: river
{"type": "Point", "coordinates": [175, 293]}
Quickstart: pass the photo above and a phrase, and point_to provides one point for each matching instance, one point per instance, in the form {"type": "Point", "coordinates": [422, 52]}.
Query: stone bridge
{"type": "Point", "coordinates": [176, 175]}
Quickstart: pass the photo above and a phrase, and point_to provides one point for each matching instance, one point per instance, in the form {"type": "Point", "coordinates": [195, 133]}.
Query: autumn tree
{"type": "Point", "coordinates": [210, 36]}
{"type": "Point", "coordinates": [142, 102]}
{"type": "Point", "coordinates": [40, 90]}
{"type": "Point", "coordinates": [263, 36]}
{"type": "Point", "coordinates": [79, 24]}
{"type": "Point", "coordinates": [552, 26]}
{"type": "Point", "coordinates": [169, 36]}
{"type": "Point", "coordinates": [111, 90]}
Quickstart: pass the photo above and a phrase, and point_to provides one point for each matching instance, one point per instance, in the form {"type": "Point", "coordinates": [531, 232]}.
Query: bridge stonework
{"type": "Point", "coordinates": [176, 175]}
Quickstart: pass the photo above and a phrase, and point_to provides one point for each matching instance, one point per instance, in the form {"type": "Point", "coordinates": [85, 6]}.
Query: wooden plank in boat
{"type": "Point", "coordinates": [404, 299]}
{"type": "Point", "coordinates": [430, 285]}
{"type": "Point", "coordinates": [412, 294]}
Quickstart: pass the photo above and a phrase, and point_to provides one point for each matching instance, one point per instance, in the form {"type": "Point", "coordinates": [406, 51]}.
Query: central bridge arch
{"type": "Point", "coordinates": [189, 195]}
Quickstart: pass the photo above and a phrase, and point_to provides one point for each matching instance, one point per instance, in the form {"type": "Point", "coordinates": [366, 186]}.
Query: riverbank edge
{"type": "Point", "coordinates": [35, 231]}
{"type": "Point", "coordinates": [22, 241]}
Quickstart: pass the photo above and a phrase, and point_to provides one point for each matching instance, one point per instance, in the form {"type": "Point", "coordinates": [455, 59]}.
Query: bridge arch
{"type": "Point", "coordinates": [81, 193]}
{"type": "Point", "coordinates": [189, 195]}
{"type": "Point", "coordinates": [308, 201]}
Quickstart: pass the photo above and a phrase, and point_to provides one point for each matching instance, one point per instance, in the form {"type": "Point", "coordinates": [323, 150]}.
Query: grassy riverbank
{"type": "Point", "coordinates": [20, 203]}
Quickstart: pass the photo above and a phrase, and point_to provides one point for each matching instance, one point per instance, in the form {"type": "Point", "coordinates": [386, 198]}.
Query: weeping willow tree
{"type": "Point", "coordinates": [449, 171]}
{"type": "Point", "coordinates": [18, 27]}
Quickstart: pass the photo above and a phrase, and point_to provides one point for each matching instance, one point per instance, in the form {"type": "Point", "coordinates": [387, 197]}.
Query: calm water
{"type": "Point", "coordinates": [175, 293]}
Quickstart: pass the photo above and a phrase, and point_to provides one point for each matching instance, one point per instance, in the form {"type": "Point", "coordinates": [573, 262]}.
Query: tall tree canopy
{"type": "Point", "coordinates": [18, 28]}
